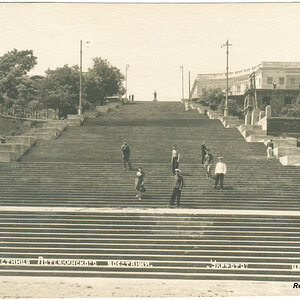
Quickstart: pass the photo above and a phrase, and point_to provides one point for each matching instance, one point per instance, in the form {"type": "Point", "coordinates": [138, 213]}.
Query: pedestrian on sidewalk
{"type": "Point", "coordinates": [126, 155]}
{"type": "Point", "coordinates": [203, 152]}
{"type": "Point", "coordinates": [208, 162]}
{"type": "Point", "coordinates": [220, 172]}
{"type": "Point", "coordinates": [139, 183]}
{"type": "Point", "coordinates": [175, 159]}
{"type": "Point", "coordinates": [177, 187]}
{"type": "Point", "coordinates": [270, 147]}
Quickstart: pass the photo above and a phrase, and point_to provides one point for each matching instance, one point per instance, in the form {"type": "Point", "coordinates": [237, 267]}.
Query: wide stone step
{"type": "Point", "coordinates": [281, 142]}
{"type": "Point", "coordinates": [290, 160]}
{"type": "Point", "coordinates": [283, 151]}
{"type": "Point", "coordinates": [178, 251]}
{"type": "Point", "coordinates": [244, 127]}
{"type": "Point", "coordinates": [255, 132]}
{"type": "Point", "coordinates": [26, 140]}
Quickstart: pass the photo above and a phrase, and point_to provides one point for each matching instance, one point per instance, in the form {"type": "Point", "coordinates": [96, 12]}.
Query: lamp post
{"type": "Point", "coordinates": [227, 55]}
{"type": "Point", "coordinates": [127, 67]}
{"type": "Point", "coordinates": [80, 80]}
{"type": "Point", "coordinates": [182, 82]}
{"type": "Point", "coordinates": [189, 85]}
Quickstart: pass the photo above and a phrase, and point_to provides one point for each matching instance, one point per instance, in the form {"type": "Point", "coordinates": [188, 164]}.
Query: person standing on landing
{"type": "Point", "coordinates": [175, 159]}
{"type": "Point", "coordinates": [126, 155]}
{"type": "Point", "coordinates": [220, 172]}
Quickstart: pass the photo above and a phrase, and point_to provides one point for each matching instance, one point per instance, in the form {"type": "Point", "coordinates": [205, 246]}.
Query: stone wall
{"type": "Point", "coordinates": [13, 125]}
{"type": "Point", "coordinates": [283, 126]}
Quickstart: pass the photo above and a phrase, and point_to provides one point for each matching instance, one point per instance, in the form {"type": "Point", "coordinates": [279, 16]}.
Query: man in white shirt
{"type": "Point", "coordinates": [220, 172]}
{"type": "Point", "coordinates": [175, 159]}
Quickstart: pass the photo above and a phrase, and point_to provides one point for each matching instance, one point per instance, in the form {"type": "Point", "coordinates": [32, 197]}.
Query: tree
{"type": "Point", "coordinates": [59, 90]}
{"type": "Point", "coordinates": [103, 80]}
{"type": "Point", "coordinates": [292, 110]}
{"type": "Point", "coordinates": [15, 86]}
{"type": "Point", "coordinates": [212, 98]}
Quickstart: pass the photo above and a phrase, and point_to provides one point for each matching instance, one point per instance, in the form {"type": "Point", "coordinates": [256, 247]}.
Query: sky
{"type": "Point", "coordinates": [154, 39]}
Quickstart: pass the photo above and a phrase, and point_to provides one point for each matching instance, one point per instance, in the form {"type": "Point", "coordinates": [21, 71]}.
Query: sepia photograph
{"type": "Point", "coordinates": [149, 150]}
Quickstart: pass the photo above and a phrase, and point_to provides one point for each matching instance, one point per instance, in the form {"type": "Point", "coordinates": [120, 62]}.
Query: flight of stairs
{"type": "Point", "coordinates": [44, 196]}
{"type": "Point", "coordinates": [150, 245]}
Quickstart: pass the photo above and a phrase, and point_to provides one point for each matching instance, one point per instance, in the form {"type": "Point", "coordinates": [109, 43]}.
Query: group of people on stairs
{"type": "Point", "coordinates": [178, 183]}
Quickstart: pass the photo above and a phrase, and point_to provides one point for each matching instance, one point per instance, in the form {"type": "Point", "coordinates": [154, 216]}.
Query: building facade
{"type": "Point", "coordinates": [273, 83]}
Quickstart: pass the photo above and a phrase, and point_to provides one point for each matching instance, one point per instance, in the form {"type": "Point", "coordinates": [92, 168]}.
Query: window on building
{"type": "Point", "coordinates": [287, 101]}
{"type": "Point", "coordinates": [238, 89]}
{"type": "Point", "coordinates": [293, 80]}
{"type": "Point", "coordinates": [270, 80]}
{"type": "Point", "coordinates": [281, 80]}
{"type": "Point", "coordinates": [266, 100]}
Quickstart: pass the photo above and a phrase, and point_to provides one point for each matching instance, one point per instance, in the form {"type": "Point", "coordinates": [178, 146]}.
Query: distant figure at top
{"type": "Point", "coordinates": [129, 97]}
{"type": "Point", "coordinates": [132, 97]}
{"type": "Point", "coordinates": [203, 151]}
{"type": "Point", "coordinates": [155, 96]}
{"type": "Point", "coordinates": [126, 155]}
{"type": "Point", "coordinates": [274, 85]}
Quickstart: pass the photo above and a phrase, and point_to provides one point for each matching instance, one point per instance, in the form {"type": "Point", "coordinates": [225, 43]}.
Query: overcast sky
{"type": "Point", "coordinates": [154, 39]}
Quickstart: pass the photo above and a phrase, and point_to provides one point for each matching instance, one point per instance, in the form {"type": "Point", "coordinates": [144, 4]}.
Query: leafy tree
{"type": "Point", "coordinates": [59, 90]}
{"type": "Point", "coordinates": [15, 86]}
{"type": "Point", "coordinates": [212, 98]}
{"type": "Point", "coordinates": [103, 80]}
{"type": "Point", "coordinates": [292, 110]}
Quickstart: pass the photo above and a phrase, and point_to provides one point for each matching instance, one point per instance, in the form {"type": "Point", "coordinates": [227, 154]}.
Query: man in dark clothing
{"type": "Point", "coordinates": [126, 155]}
{"type": "Point", "coordinates": [203, 151]}
{"type": "Point", "coordinates": [178, 184]}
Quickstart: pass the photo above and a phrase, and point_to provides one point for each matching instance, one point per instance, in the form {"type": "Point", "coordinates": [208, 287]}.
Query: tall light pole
{"type": "Point", "coordinates": [80, 82]}
{"type": "Point", "coordinates": [189, 85]}
{"type": "Point", "coordinates": [182, 82]}
{"type": "Point", "coordinates": [127, 66]}
{"type": "Point", "coordinates": [227, 55]}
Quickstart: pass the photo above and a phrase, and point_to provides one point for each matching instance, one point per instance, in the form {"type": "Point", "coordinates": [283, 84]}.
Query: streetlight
{"type": "Point", "coordinates": [182, 83]}
{"type": "Point", "coordinates": [189, 85]}
{"type": "Point", "coordinates": [227, 55]}
{"type": "Point", "coordinates": [127, 67]}
{"type": "Point", "coordinates": [80, 80]}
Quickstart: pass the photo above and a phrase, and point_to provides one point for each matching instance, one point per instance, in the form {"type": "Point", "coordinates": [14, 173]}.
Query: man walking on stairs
{"type": "Point", "coordinates": [178, 184]}
{"type": "Point", "coordinates": [126, 155]}
{"type": "Point", "coordinates": [175, 159]}
{"type": "Point", "coordinates": [270, 147]}
{"type": "Point", "coordinates": [220, 172]}
{"type": "Point", "coordinates": [203, 151]}
{"type": "Point", "coordinates": [208, 161]}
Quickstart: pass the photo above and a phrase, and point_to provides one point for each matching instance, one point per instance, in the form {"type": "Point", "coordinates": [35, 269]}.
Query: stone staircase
{"type": "Point", "coordinates": [150, 245]}
{"type": "Point", "coordinates": [69, 209]}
